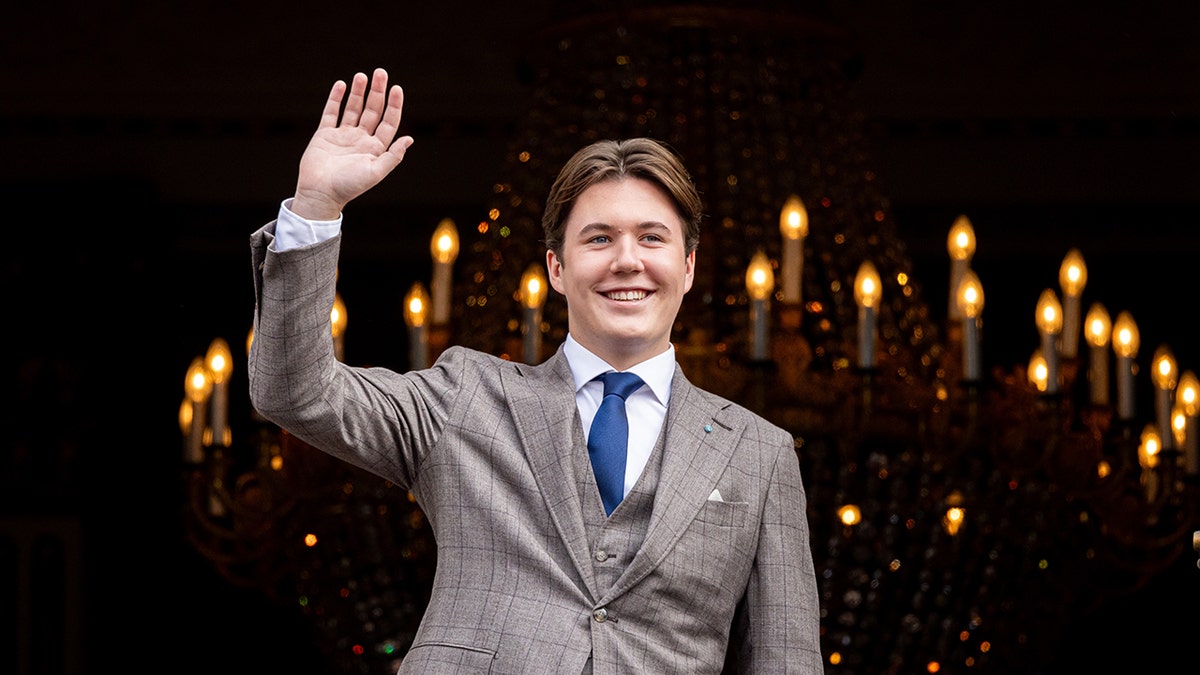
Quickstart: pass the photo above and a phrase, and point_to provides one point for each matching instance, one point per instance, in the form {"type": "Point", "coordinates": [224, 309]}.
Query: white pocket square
{"type": "Point", "coordinates": [715, 496]}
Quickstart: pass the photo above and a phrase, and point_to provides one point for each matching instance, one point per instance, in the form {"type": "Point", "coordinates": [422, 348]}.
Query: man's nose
{"type": "Point", "coordinates": [627, 255]}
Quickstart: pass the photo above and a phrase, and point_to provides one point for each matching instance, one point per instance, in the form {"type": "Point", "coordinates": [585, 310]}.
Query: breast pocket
{"type": "Point", "coordinates": [724, 514]}
{"type": "Point", "coordinates": [714, 554]}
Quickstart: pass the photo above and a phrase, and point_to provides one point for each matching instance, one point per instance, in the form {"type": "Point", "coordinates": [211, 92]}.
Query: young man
{"type": "Point", "coordinates": [700, 542]}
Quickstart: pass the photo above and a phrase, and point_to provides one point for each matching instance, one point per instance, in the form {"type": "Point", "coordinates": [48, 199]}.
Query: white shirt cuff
{"type": "Point", "coordinates": [292, 231]}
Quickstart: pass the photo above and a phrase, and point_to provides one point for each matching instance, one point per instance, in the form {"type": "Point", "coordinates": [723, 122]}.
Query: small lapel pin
{"type": "Point", "coordinates": [708, 428]}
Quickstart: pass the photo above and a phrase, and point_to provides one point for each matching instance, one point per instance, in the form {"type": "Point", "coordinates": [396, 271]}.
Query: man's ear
{"type": "Point", "coordinates": [689, 270]}
{"type": "Point", "coordinates": [554, 271]}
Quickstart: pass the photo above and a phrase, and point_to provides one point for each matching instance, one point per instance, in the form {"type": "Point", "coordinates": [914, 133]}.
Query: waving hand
{"type": "Point", "coordinates": [346, 158]}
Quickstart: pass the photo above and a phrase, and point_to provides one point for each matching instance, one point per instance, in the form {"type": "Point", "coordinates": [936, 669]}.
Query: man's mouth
{"type": "Point", "coordinates": [625, 295]}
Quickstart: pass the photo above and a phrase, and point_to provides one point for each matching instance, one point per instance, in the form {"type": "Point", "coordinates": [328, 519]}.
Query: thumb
{"type": "Point", "coordinates": [389, 160]}
{"type": "Point", "coordinates": [400, 147]}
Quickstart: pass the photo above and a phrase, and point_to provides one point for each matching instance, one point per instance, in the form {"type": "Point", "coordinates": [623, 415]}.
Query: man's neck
{"type": "Point", "coordinates": [624, 359]}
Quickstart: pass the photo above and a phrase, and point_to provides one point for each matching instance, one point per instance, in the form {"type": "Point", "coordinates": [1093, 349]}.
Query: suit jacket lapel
{"type": "Point", "coordinates": [542, 402]}
{"type": "Point", "coordinates": [698, 445]}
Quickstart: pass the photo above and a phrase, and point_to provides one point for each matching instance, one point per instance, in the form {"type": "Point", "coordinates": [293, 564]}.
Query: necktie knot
{"type": "Point", "coordinates": [620, 384]}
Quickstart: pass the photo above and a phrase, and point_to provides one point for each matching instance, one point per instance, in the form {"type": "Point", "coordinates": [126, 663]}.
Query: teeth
{"type": "Point", "coordinates": [627, 295]}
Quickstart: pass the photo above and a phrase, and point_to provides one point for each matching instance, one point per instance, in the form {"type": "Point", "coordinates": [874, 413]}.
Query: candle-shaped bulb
{"type": "Point", "coordinates": [1049, 313]}
{"type": "Point", "coordinates": [1097, 326]}
{"type": "Point", "coordinates": [1125, 336]}
{"type": "Point", "coordinates": [961, 240]}
{"type": "Point", "coordinates": [1097, 331]}
{"type": "Point", "coordinates": [970, 305]}
{"type": "Point", "coordinates": [1037, 372]}
{"type": "Point", "coordinates": [760, 279]}
{"type": "Point", "coordinates": [532, 295]}
{"type": "Point", "coordinates": [443, 246]}
{"type": "Point", "coordinates": [1049, 325]}
{"type": "Point", "coordinates": [1149, 447]}
{"type": "Point", "coordinates": [867, 287]}
{"type": "Point", "coordinates": [867, 293]}
{"type": "Point", "coordinates": [533, 287]}
{"type": "Point", "coordinates": [1187, 401]}
{"type": "Point", "coordinates": [1163, 371]}
{"type": "Point", "coordinates": [197, 386]}
{"type": "Point", "coordinates": [198, 382]}
{"type": "Point", "coordinates": [793, 219]}
{"type": "Point", "coordinates": [1148, 452]}
{"type": "Point", "coordinates": [1126, 341]}
{"type": "Point", "coordinates": [219, 361]}
{"type": "Point", "coordinates": [337, 316]}
{"type": "Point", "coordinates": [793, 225]}
{"type": "Point", "coordinates": [1072, 275]}
{"type": "Point", "coordinates": [1164, 376]}
{"type": "Point", "coordinates": [418, 316]}
{"type": "Point", "coordinates": [338, 320]}
{"type": "Point", "coordinates": [416, 306]}
{"type": "Point", "coordinates": [961, 245]}
{"type": "Point", "coordinates": [1187, 395]}
{"type": "Point", "coordinates": [970, 295]}
{"type": "Point", "coordinates": [1178, 425]}
{"type": "Point", "coordinates": [760, 283]}
{"type": "Point", "coordinates": [186, 413]}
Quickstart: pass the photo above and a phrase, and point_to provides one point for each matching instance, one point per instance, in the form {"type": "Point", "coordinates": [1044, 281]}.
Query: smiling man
{"type": "Point", "coordinates": [594, 513]}
{"type": "Point", "coordinates": [631, 243]}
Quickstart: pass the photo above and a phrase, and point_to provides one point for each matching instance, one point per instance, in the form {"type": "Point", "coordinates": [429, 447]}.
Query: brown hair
{"type": "Point", "coordinates": [613, 160]}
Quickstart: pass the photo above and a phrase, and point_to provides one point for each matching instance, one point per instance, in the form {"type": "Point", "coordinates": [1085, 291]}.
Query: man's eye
{"type": "Point", "coordinates": [652, 237]}
{"type": "Point", "coordinates": [598, 239]}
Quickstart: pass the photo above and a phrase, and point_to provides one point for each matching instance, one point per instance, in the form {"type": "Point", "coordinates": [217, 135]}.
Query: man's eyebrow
{"type": "Point", "coordinates": [607, 227]}
{"type": "Point", "coordinates": [653, 225]}
{"type": "Point", "coordinates": [596, 227]}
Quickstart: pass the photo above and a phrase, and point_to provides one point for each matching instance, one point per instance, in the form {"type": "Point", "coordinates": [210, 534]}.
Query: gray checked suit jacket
{"type": "Point", "coordinates": [488, 446]}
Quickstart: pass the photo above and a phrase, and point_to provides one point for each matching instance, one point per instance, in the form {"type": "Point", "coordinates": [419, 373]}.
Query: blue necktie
{"type": "Point", "coordinates": [608, 439]}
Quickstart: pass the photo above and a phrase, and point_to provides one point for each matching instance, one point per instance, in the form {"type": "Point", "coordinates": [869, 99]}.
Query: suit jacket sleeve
{"type": "Point", "coordinates": [377, 419]}
{"type": "Point", "coordinates": [777, 625]}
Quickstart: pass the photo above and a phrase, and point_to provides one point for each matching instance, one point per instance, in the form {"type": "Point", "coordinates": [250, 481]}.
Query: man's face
{"type": "Point", "coordinates": [623, 270]}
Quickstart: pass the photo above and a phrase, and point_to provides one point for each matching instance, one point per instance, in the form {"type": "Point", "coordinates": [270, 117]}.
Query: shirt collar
{"type": "Point", "coordinates": [656, 371]}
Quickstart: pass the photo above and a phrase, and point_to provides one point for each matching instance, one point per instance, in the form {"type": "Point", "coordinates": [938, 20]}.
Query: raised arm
{"type": "Point", "coordinates": [346, 158]}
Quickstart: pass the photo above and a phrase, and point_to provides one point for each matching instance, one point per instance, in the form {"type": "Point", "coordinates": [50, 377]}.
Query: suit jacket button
{"type": "Point", "coordinates": [601, 555]}
{"type": "Point", "coordinates": [600, 615]}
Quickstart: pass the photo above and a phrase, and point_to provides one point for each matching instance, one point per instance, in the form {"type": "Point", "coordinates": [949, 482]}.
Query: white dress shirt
{"type": "Point", "coordinates": [646, 407]}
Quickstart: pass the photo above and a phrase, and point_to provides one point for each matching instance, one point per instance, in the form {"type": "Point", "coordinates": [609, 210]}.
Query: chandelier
{"type": "Point", "coordinates": [958, 517]}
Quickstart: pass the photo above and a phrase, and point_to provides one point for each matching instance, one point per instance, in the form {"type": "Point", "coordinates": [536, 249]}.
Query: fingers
{"type": "Point", "coordinates": [375, 101]}
{"type": "Point", "coordinates": [354, 103]}
{"type": "Point", "coordinates": [333, 105]}
{"type": "Point", "coordinates": [377, 112]}
{"type": "Point", "coordinates": [366, 109]}
{"type": "Point", "coordinates": [390, 122]}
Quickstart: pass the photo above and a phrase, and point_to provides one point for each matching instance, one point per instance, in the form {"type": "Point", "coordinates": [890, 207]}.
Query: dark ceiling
{"type": "Point", "coordinates": [1051, 125]}
{"type": "Point", "coordinates": [88, 73]}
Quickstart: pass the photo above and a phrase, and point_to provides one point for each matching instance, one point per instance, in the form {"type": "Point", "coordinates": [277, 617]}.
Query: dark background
{"type": "Point", "coordinates": [142, 143]}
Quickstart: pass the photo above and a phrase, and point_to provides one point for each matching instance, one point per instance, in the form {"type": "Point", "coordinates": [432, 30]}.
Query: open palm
{"type": "Point", "coordinates": [345, 159]}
